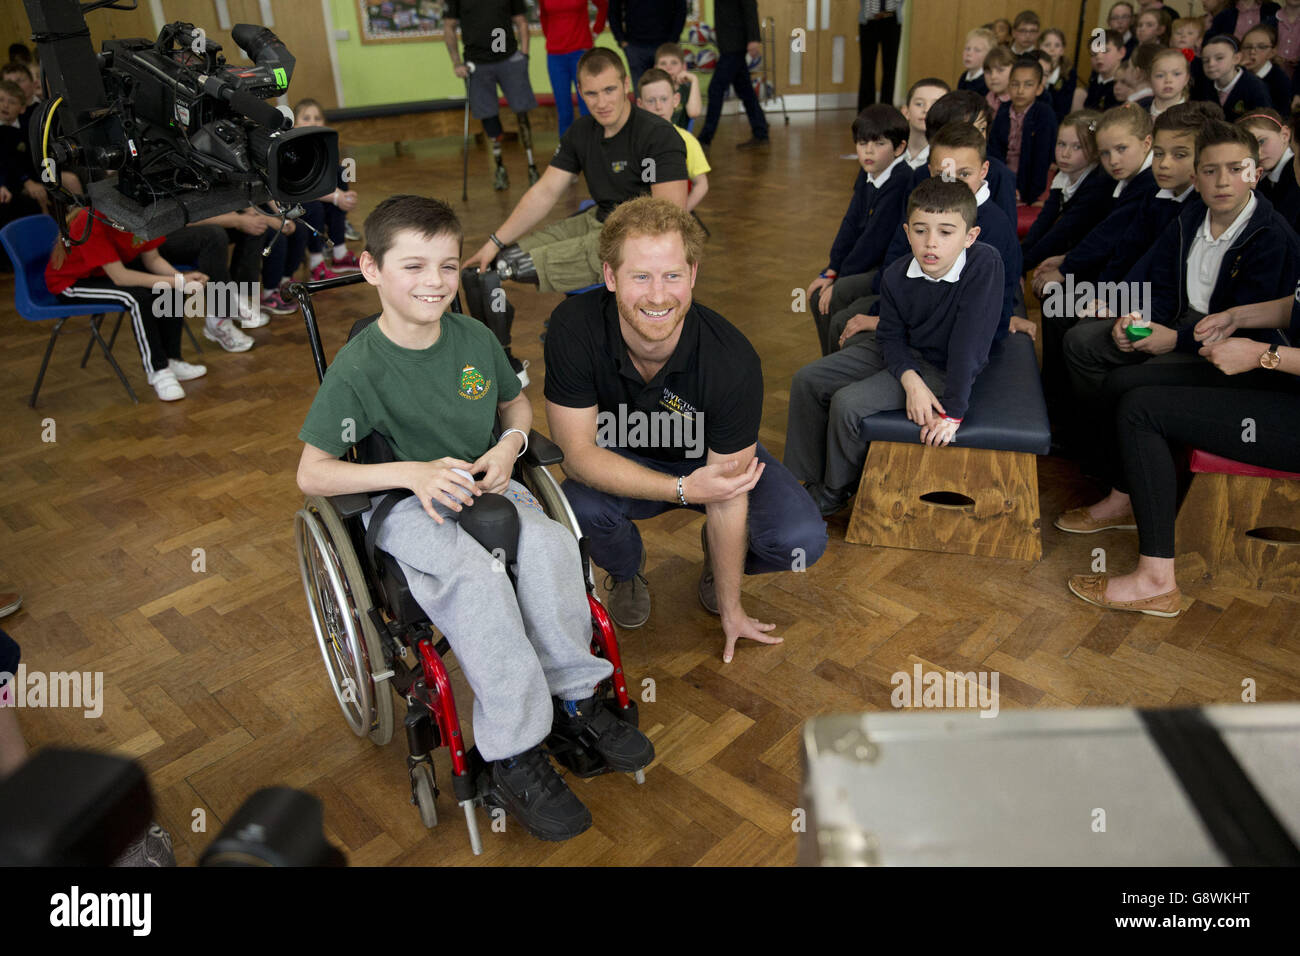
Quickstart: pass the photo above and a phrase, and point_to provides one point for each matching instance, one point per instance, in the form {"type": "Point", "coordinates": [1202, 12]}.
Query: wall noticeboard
{"type": "Point", "coordinates": [397, 21]}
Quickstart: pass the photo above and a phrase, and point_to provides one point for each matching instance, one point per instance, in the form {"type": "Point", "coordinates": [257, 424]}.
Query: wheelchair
{"type": "Point", "coordinates": [375, 639]}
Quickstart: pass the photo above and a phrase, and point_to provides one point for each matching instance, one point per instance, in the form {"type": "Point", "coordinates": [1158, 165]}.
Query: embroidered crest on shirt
{"type": "Point", "coordinates": [618, 165]}
{"type": "Point", "coordinates": [472, 383]}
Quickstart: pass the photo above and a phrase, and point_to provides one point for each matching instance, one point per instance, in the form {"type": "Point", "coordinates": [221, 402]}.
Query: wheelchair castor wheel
{"type": "Point", "coordinates": [423, 793]}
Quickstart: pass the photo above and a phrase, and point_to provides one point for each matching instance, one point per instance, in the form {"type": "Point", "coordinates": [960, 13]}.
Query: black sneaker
{"type": "Point", "coordinates": [527, 787]}
{"type": "Point", "coordinates": [592, 724]}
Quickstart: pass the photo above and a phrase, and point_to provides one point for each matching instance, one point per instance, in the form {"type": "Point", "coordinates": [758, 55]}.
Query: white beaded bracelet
{"type": "Point", "coordinates": [519, 431]}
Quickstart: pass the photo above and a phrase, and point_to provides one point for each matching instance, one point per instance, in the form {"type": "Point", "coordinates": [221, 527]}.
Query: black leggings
{"type": "Point", "coordinates": [1153, 420]}
{"type": "Point", "coordinates": [159, 338]}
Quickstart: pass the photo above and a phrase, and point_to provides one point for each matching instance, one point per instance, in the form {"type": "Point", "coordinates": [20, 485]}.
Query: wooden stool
{"type": "Point", "coordinates": [1240, 525]}
{"type": "Point", "coordinates": [959, 500]}
{"type": "Point", "coordinates": [976, 496]}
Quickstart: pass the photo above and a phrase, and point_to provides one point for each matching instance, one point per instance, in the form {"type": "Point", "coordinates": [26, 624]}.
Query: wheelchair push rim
{"type": "Point", "coordinates": [348, 648]}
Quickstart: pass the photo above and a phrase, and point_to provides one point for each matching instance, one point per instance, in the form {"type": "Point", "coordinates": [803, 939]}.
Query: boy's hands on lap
{"type": "Point", "coordinates": [859, 323]}
{"type": "Point", "coordinates": [496, 464]}
{"type": "Point", "coordinates": [922, 407]}
{"type": "Point", "coordinates": [817, 285]}
{"type": "Point", "coordinates": [437, 480]}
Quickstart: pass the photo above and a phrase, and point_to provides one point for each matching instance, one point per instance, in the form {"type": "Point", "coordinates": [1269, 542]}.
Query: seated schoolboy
{"type": "Point", "coordinates": [1170, 80]}
{"type": "Point", "coordinates": [1257, 49]}
{"type": "Point", "coordinates": [1173, 166]}
{"type": "Point", "coordinates": [1120, 19]}
{"type": "Point", "coordinates": [1238, 91]}
{"type": "Point", "coordinates": [957, 152]}
{"type": "Point", "coordinates": [1232, 248]}
{"type": "Point", "coordinates": [656, 94]}
{"type": "Point", "coordinates": [1099, 94]}
{"type": "Point", "coordinates": [923, 94]}
{"type": "Point", "coordinates": [671, 58]}
{"type": "Point", "coordinates": [1277, 176]}
{"type": "Point", "coordinates": [112, 265]}
{"type": "Point", "coordinates": [1080, 196]}
{"type": "Point", "coordinates": [1024, 32]}
{"type": "Point", "coordinates": [880, 135]}
{"type": "Point", "coordinates": [940, 309]}
{"type": "Point", "coordinates": [1024, 132]}
{"type": "Point", "coordinates": [997, 76]}
{"type": "Point", "coordinates": [1062, 79]}
{"type": "Point", "coordinates": [1152, 26]}
{"type": "Point", "coordinates": [432, 382]}
{"type": "Point", "coordinates": [966, 106]}
{"type": "Point", "coordinates": [978, 43]}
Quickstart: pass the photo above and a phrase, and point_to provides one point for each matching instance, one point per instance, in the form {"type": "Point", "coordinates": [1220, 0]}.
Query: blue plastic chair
{"type": "Point", "coordinates": [28, 242]}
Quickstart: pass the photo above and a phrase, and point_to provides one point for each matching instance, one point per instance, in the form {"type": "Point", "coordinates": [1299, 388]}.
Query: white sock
{"type": "Point", "coordinates": [314, 259]}
{"type": "Point", "coordinates": [340, 251]}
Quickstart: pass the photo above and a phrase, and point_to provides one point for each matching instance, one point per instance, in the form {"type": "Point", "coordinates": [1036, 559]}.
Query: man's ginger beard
{"type": "Point", "coordinates": [648, 330]}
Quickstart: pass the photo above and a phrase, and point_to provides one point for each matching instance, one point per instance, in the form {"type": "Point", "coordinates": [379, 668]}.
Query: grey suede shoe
{"type": "Point", "coordinates": [628, 602]}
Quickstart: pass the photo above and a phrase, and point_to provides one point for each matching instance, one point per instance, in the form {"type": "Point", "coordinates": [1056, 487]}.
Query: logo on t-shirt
{"type": "Point", "coordinates": [472, 383]}
{"type": "Point", "coordinates": [618, 165]}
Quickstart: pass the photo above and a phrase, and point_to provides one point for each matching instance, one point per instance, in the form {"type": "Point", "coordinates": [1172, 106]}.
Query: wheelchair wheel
{"type": "Point", "coordinates": [539, 480]}
{"type": "Point", "coordinates": [422, 788]}
{"type": "Point", "coordinates": [338, 599]}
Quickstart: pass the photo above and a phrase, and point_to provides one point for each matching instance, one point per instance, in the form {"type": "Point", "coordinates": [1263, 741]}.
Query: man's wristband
{"type": "Point", "coordinates": [493, 237]}
{"type": "Point", "coordinates": [951, 421]}
{"type": "Point", "coordinates": [681, 489]}
{"type": "Point", "coordinates": [518, 431]}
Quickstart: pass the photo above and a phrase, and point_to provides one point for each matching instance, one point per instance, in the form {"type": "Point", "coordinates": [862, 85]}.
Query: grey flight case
{"type": "Point", "coordinates": [1209, 786]}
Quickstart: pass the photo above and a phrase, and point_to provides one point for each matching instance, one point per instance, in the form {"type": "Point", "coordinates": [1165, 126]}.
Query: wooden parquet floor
{"type": "Point", "coordinates": [213, 680]}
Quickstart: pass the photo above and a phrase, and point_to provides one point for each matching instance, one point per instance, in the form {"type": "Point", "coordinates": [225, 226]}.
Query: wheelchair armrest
{"type": "Point", "coordinates": [541, 450]}
{"type": "Point", "coordinates": [349, 506]}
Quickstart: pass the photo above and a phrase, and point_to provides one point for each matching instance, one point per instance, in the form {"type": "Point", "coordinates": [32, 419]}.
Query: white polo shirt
{"type": "Point", "coordinates": [920, 159]}
{"type": "Point", "coordinates": [1206, 256]}
{"type": "Point", "coordinates": [914, 271]}
{"type": "Point", "coordinates": [883, 178]}
{"type": "Point", "coordinates": [1067, 188]}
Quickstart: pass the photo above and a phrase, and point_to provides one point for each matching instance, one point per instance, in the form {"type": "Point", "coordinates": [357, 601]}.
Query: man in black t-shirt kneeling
{"type": "Point", "coordinates": [656, 403]}
{"type": "Point", "coordinates": [623, 151]}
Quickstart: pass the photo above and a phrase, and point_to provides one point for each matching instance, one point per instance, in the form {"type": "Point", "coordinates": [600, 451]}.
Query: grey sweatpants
{"type": "Point", "coordinates": [828, 400]}
{"type": "Point", "coordinates": [516, 652]}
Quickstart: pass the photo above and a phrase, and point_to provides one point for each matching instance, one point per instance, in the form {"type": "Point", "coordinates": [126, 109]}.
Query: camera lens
{"type": "Point", "coordinates": [303, 163]}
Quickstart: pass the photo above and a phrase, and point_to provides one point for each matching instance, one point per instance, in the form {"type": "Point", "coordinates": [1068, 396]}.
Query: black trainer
{"type": "Point", "coordinates": [591, 723]}
{"type": "Point", "coordinates": [528, 788]}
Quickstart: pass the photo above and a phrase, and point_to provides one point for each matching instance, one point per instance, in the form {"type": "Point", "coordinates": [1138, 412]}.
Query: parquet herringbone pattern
{"type": "Point", "coordinates": [213, 679]}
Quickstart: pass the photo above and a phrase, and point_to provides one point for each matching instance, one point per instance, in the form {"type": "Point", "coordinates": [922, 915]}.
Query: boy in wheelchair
{"type": "Point", "coordinates": [432, 382]}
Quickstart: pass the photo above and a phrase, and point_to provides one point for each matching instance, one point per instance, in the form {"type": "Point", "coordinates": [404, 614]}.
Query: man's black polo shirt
{"type": "Point", "coordinates": [478, 19]}
{"type": "Point", "coordinates": [616, 168]}
{"type": "Point", "coordinates": [714, 373]}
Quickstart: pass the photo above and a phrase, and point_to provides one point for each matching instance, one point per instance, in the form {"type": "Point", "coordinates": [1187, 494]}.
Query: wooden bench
{"type": "Point", "coordinates": [978, 495]}
{"type": "Point", "coordinates": [1239, 525]}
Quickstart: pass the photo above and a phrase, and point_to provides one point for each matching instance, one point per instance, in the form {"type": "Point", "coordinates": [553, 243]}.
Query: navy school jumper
{"type": "Point", "coordinates": [1037, 146]}
{"type": "Point", "coordinates": [1061, 226]}
{"type": "Point", "coordinates": [867, 226]}
{"type": "Point", "coordinates": [1089, 257]}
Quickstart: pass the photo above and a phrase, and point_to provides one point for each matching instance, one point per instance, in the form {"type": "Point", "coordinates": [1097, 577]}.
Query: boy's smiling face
{"type": "Point", "coordinates": [418, 278]}
{"type": "Point", "coordinates": [1025, 87]}
{"type": "Point", "coordinates": [937, 239]}
{"type": "Point", "coordinates": [1225, 175]}
{"type": "Point", "coordinates": [877, 155]}
{"type": "Point", "coordinates": [1173, 159]}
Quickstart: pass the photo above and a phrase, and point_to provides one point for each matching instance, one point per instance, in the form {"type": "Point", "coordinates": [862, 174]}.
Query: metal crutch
{"type": "Point", "coordinates": [464, 181]}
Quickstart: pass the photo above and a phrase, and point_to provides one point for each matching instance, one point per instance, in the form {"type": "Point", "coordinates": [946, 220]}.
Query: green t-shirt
{"type": "Point", "coordinates": [429, 403]}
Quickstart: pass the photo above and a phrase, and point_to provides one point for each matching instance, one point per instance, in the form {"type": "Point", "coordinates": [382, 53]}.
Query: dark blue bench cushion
{"type": "Point", "coordinates": [1007, 410]}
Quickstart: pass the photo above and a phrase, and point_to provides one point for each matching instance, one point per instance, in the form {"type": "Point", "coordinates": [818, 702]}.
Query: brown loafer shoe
{"type": "Point", "coordinates": [1092, 588]}
{"type": "Point", "coordinates": [1078, 521]}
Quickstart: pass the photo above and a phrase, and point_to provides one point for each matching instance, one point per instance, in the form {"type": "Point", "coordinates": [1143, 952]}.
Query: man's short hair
{"type": "Point", "coordinates": [1221, 133]}
{"type": "Point", "coordinates": [654, 75]}
{"type": "Point", "coordinates": [649, 216]}
{"type": "Point", "coordinates": [420, 214]}
{"type": "Point", "coordinates": [670, 49]}
{"type": "Point", "coordinates": [960, 136]}
{"type": "Point", "coordinates": [1026, 16]}
{"type": "Point", "coordinates": [1114, 37]}
{"type": "Point", "coordinates": [599, 59]}
{"type": "Point", "coordinates": [928, 81]}
{"type": "Point", "coordinates": [881, 121]}
{"type": "Point", "coordinates": [10, 88]}
{"type": "Point", "coordinates": [959, 106]}
{"type": "Point", "coordinates": [1188, 118]}
{"type": "Point", "coordinates": [937, 195]}
{"type": "Point", "coordinates": [1029, 62]}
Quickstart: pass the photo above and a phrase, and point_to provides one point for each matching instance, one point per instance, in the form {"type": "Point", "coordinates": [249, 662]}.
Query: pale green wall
{"type": "Point", "coordinates": [378, 73]}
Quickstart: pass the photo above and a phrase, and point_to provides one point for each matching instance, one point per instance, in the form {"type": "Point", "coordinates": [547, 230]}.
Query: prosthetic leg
{"type": "Point", "coordinates": [485, 300]}
{"type": "Point", "coordinates": [526, 137]}
{"type": "Point", "coordinates": [492, 129]}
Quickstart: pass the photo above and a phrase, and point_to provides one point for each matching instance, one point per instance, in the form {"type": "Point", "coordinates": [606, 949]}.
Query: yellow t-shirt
{"type": "Point", "coordinates": [696, 163]}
